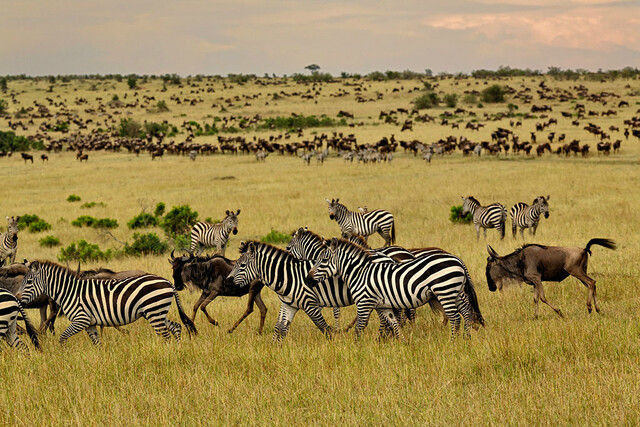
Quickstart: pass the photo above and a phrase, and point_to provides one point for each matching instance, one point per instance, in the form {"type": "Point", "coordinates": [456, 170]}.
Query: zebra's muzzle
{"type": "Point", "coordinates": [235, 231]}
{"type": "Point", "coordinates": [546, 214]}
{"type": "Point", "coordinates": [331, 216]}
{"type": "Point", "coordinates": [310, 281]}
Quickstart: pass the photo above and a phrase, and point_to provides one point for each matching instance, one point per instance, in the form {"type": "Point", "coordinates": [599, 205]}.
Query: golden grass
{"type": "Point", "coordinates": [578, 370]}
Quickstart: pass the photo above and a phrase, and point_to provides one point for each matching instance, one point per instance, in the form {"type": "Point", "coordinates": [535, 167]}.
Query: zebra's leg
{"type": "Point", "coordinates": [93, 334]}
{"type": "Point", "coordinates": [336, 317]}
{"type": "Point", "coordinates": [158, 321]}
{"type": "Point", "coordinates": [391, 321]}
{"type": "Point", "coordinates": [79, 324]}
{"type": "Point", "coordinates": [287, 313]}
{"type": "Point", "coordinates": [364, 309]}
{"type": "Point", "coordinates": [12, 338]}
{"type": "Point", "coordinates": [478, 232]}
{"type": "Point", "coordinates": [464, 307]}
{"type": "Point", "coordinates": [276, 328]}
{"type": "Point", "coordinates": [522, 232]}
{"type": "Point", "coordinates": [315, 313]}
{"type": "Point", "coordinates": [484, 229]}
{"type": "Point", "coordinates": [400, 316]}
{"type": "Point", "coordinates": [13, 255]}
{"type": "Point", "coordinates": [411, 315]}
{"type": "Point", "coordinates": [534, 228]}
{"type": "Point", "coordinates": [175, 329]}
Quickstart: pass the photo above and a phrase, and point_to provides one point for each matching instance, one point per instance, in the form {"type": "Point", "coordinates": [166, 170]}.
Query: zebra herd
{"type": "Point", "coordinates": [495, 215]}
{"type": "Point", "coordinates": [311, 274]}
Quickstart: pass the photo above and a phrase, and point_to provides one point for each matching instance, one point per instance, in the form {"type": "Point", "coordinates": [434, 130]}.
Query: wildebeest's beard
{"type": "Point", "coordinates": [490, 281]}
{"type": "Point", "coordinates": [507, 267]}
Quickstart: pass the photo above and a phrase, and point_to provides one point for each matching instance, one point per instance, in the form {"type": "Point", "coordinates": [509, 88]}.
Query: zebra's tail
{"type": "Point", "coordinates": [503, 221]}
{"type": "Point", "coordinates": [191, 327]}
{"type": "Point", "coordinates": [607, 243]}
{"type": "Point", "coordinates": [470, 290]}
{"type": "Point", "coordinates": [514, 228]}
{"type": "Point", "coordinates": [31, 331]}
{"type": "Point", "coordinates": [393, 233]}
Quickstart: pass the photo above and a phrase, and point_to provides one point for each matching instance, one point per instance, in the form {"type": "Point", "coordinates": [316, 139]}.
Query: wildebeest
{"type": "Point", "coordinates": [208, 274]}
{"type": "Point", "coordinates": [44, 157]}
{"type": "Point", "coordinates": [26, 157]}
{"type": "Point", "coordinates": [533, 264]}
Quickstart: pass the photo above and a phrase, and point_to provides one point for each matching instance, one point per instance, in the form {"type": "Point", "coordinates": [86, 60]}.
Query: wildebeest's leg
{"type": "Point", "coordinates": [263, 311]}
{"type": "Point", "coordinates": [53, 314]}
{"type": "Point", "coordinates": [538, 291]}
{"type": "Point", "coordinates": [93, 334]}
{"type": "Point", "coordinates": [214, 293]}
{"type": "Point", "coordinates": [590, 284]}
{"type": "Point", "coordinates": [43, 319]}
{"type": "Point", "coordinates": [198, 303]}
{"type": "Point", "coordinates": [336, 317]}
{"type": "Point", "coordinates": [254, 295]}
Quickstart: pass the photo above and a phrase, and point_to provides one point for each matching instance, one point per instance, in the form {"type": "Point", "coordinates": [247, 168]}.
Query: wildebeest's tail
{"type": "Point", "coordinates": [470, 290]}
{"type": "Point", "coordinates": [607, 243]}
{"type": "Point", "coordinates": [191, 327]}
{"type": "Point", "coordinates": [31, 331]}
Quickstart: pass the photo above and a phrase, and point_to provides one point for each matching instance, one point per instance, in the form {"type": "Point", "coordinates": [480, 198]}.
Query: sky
{"type": "Point", "coordinates": [189, 37]}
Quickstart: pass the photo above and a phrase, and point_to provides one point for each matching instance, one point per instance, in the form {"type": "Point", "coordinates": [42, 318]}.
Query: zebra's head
{"type": "Point", "coordinates": [543, 205]}
{"type": "Point", "coordinates": [12, 225]}
{"type": "Point", "coordinates": [304, 243]}
{"type": "Point", "coordinates": [32, 284]}
{"type": "Point", "coordinates": [333, 207]}
{"type": "Point", "coordinates": [325, 267]}
{"type": "Point", "coordinates": [231, 221]}
{"type": "Point", "coordinates": [245, 270]}
{"type": "Point", "coordinates": [468, 203]}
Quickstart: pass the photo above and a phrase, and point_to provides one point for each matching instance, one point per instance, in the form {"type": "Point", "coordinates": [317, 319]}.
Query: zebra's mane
{"type": "Point", "coordinates": [100, 270]}
{"type": "Point", "coordinates": [244, 247]}
{"type": "Point", "coordinates": [312, 234]}
{"type": "Point", "coordinates": [55, 265]}
{"type": "Point", "coordinates": [473, 199]}
{"type": "Point", "coordinates": [352, 247]}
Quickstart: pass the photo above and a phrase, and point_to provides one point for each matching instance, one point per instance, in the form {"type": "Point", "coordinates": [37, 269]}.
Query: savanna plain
{"type": "Point", "coordinates": [581, 369]}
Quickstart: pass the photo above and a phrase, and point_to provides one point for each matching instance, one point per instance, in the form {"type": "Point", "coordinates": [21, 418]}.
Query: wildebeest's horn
{"type": "Point", "coordinates": [172, 256]}
{"type": "Point", "coordinates": [191, 254]}
{"type": "Point", "coordinates": [492, 252]}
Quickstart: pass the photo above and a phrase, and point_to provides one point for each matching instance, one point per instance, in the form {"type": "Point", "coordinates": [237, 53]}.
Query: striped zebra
{"type": "Point", "coordinates": [94, 302]}
{"type": "Point", "coordinates": [363, 223]}
{"type": "Point", "coordinates": [208, 235]}
{"type": "Point", "coordinates": [525, 216]}
{"type": "Point", "coordinates": [10, 312]}
{"type": "Point", "coordinates": [492, 216]}
{"type": "Point", "coordinates": [384, 286]}
{"type": "Point", "coordinates": [9, 241]}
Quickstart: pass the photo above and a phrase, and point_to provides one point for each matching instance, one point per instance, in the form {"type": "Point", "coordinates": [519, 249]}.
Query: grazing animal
{"type": "Point", "coordinates": [9, 241]}
{"type": "Point", "coordinates": [363, 223]}
{"type": "Point", "coordinates": [492, 216]}
{"type": "Point", "coordinates": [94, 302]}
{"type": "Point", "coordinates": [26, 157]}
{"type": "Point", "coordinates": [208, 274]}
{"type": "Point", "coordinates": [205, 234]}
{"type": "Point", "coordinates": [387, 285]}
{"type": "Point", "coordinates": [525, 216]}
{"type": "Point", "coordinates": [284, 274]}
{"type": "Point", "coordinates": [534, 264]}
{"type": "Point", "coordinates": [44, 157]}
{"type": "Point", "coordinates": [192, 155]}
{"type": "Point", "coordinates": [10, 311]}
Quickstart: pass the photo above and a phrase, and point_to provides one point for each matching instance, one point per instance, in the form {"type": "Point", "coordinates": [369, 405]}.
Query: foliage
{"type": "Point", "coordinates": [146, 244]}
{"type": "Point", "coordinates": [295, 122]}
{"type": "Point", "coordinates": [49, 242]}
{"type": "Point", "coordinates": [456, 217]}
{"type": "Point", "coordinates": [33, 223]}
{"type": "Point", "coordinates": [162, 106]}
{"type": "Point", "coordinates": [89, 205]}
{"type": "Point", "coordinates": [129, 128]}
{"type": "Point", "coordinates": [159, 210]}
{"type": "Point", "coordinates": [173, 79]}
{"type": "Point", "coordinates": [89, 221]}
{"type": "Point", "coordinates": [493, 94]}
{"type": "Point", "coordinates": [132, 81]}
{"type": "Point", "coordinates": [73, 198]}
{"type": "Point", "coordinates": [427, 100]}
{"type": "Point", "coordinates": [450, 100]}
{"type": "Point", "coordinates": [39, 226]}
{"type": "Point", "coordinates": [142, 220]}
{"type": "Point", "coordinates": [84, 251]}
{"type": "Point", "coordinates": [315, 77]}
{"type": "Point", "coordinates": [469, 98]}
{"type": "Point", "coordinates": [179, 220]}
{"type": "Point", "coordinates": [9, 141]}
{"type": "Point", "coordinates": [3, 84]}
{"type": "Point", "coordinates": [3, 106]}
{"type": "Point", "coordinates": [276, 237]}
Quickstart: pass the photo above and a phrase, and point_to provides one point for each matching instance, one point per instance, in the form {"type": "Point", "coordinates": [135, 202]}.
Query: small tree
{"type": "Point", "coordinates": [451, 100]}
{"type": "Point", "coordinates": [493, 94]}
{"type": "Point", "coordinates": [3, 84]}
{"type": "Point", "coordinates": [3, 106]}
{"type": "Point", "coordinates": [313, 68]}
{"type": "Point", "coordinates": [132, 82]}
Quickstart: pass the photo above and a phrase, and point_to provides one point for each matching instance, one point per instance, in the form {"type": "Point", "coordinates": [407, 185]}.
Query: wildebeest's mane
{"type": "Point", "coordinates": [517, 251]}
{"type": "Point", "coordinates": [98, 271]}
{"type": "Point", "coordinates": [208, 257]}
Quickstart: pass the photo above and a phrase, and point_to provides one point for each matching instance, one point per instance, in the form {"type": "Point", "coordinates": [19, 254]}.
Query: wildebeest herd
{"type": "Point", "coordinates": [310, 274]}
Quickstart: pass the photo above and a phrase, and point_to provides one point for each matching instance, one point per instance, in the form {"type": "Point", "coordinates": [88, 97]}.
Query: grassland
{"type": "Point", "coordinates": [583, 369]}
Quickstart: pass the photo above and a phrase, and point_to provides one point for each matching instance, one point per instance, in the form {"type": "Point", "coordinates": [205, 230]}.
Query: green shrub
{"type": "Point", "coordinates": [159, 210]}
{"type": "Point", "coordinates": [49, 242]}
{"type": "Point", "coordinates": [73, 198]}
{"type": "Point", "coordinates": [146, 244]}
{"type": "Point", "coordinates": [89, 221]}
{"type": "Point", "coordinates": [456, 216]}
{"type": "Point", "coordinates": [3, 106]}
{"type": "Point", "coordinates": [39, 226]}
{"type": "Point", "coordinates": [84, 251]}
{"type": "Point", "coordinates": [129, 128]}
{"type": "Point", "coordinates": [142, 220]}
{"type": "Point", "coordinates": [26, 220]}
{"type": "Point", "coordinates": [162, 106]}
{"type": "Point", "coordinates": [470, 98]}
{"type": "Point", "coordinates": [450, 100]}
{"type": "Point", "coordinates": [89, 205]}
{"type": "Point", "coordinates": [493, 94]}
{"type": "Point", "coordinates": [428, 100]}
{"type": "Point", "coordinates": [178, 221]}
{"type": "Point", "coordinates": [275, 237]}
{"type": "Point", "coordinates": [132, 82]}
{"type": "Point", "coordinates": [9, 141]}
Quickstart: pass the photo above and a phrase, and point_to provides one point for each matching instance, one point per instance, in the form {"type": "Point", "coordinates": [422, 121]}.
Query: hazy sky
{"type": "Point", "coordinates": [39, 37]}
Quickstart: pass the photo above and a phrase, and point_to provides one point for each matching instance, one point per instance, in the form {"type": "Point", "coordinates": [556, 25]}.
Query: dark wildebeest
{"type": "Point", "coordinates": [208, 274]}
{"type": "Point", "coordinates": [533, 264]}
{"type": "Point", "coordinates": [26, 157]}
{"type": "Point", "coordinates": [44, 157]}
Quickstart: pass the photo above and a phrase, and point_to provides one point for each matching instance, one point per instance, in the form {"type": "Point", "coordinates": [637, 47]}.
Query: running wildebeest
{"type": "Point", "coordinates": [208, 274]}
{"type": "Point", "coordinates": [533, 264]}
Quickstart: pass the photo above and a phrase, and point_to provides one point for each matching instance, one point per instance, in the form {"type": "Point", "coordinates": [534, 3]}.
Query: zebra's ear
{"type": "Point", "coordinates": [34, 266]}
{"type": "Point", "coordinates": [548, 197]}
{"type": "Point", "coordinates": [238, 213]}
{"type": "Point", "coordinates": [327, 200]}
{"type": "Point", "coordinates": [337, 200]}
{"type": "Point", "coordinates": [251, 247]}
{"type": "Point", "coordinates": [227, 212]}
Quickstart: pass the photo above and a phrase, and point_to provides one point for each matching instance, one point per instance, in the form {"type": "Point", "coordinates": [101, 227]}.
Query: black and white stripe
{"type": "Point", "coordinates": [384, 286]}
{"type": "Point", "coordinates": [9, 241]}
{"type": "Point", "coordinates": [10, 312]}
{"type": "Point", "coordinates": [93, 302]}
{"type": "Point", "coordinates": [492, 216]}
{"type": "Point", "coordinates": [525, 216]}
{"type": "Point", "coordinates": [285, 274]}
{"type": "Point", "coordinates": [363, 223]}
{"type": "Point", "coordinates": [208, 235]}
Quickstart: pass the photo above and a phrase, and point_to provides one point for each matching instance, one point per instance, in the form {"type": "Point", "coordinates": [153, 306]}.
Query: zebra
{"type": "Point", "coordinates": [492, 216]}
{"type": "Point", "coordinates": [94, 302]}
{"type": "Point", "coordinates": [307, 245]}
{"type": "Point", "coordinates": [525, 216]}
{"type": "Point", "coordinates": [192, 155]}
{"type": "Point", "coordinates": [363, 223]}
{"type": "Point", "coordinates": [208, 235]}
{"type": "Point", "coordinates": [10, 311]}
{"type": "Point", "coordinates": [384, 285]}
{"type": "Point", "coordinates": [9, 241]}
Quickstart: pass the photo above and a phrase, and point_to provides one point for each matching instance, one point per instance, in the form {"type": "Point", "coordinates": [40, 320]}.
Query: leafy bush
{"type": "Point", "coordinates": [73, 198]}
{"type": "Point", "coordinates": [132, 82]}
{"type": "Point", "coordinates": [84, 251]}
{"type": "Point", "coordinates": [470, 98]}
{"type": "Point", "coordinates": [3, 106]}
{"type": "Point", "coordinates": [428, 100]}
{"type": "Point", "coordinates": [146, 244]}
{"type": "Point", "coordinates": [456, 216]}
{"type": "Point", "coordinates": [162, 106]}
{"type": "Point", "coordinates": [276, 237]}
{"type": "Point", "coordinates": [493, 94]}
{"type": "Point", "coordinates": [89, 221]}
{"type": "Point", "coordinates": [129, 128]}
{"type": "Point", "coordinates": [160, 208]}
{"type": "Point", "coordinates": [39, 226]}
{"type": "Point", "coordinates": [49, 242]}
{"type": "Point", "coordinates": [178, 221]}
{"type": "Point", "coordinates": [92, 204]}
{"type": "Point", "coordinates": [26, 220]}
{"type": "Point", "coordinates": [142, 220]}
{"type": "Point", "coordinates": [9, 141]}
{"type": "Point", "coordinates": [450, 100]}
